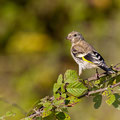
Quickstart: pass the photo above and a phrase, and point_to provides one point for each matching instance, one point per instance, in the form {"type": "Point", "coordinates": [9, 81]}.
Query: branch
{"type": "Point", "coordinates": [62, 98]}
{"type": "Point", "coordinates": [37, 113]}
{"type": "Point", "coordinates": [99, 90]}
{"type": "Point", "coordinates": [96, 76]}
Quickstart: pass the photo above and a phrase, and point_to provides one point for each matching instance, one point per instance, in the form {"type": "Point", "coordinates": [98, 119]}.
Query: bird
{"type": "Point", "coordinates": [85, 55]}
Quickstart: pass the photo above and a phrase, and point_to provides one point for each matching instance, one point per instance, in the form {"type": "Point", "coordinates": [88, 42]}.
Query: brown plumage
{"type": "Point", "coordinates": [85, 55]}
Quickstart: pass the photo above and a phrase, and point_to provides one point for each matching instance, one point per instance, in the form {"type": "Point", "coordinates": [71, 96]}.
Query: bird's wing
{"type": "Point", "coordinates": [78, 51]}
{"type": "Point", "coordinates": [97, 59]}
{"type": "Point", "coordinates": [81, 49]}
{"type": "Point", "coordinates": [94, 57]}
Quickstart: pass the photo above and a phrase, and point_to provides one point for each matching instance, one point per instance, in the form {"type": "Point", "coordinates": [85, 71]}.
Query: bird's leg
{"type": "Point", "coordinates": [80, 70]}
{"type": "Point", "coordinates": [97, 74]}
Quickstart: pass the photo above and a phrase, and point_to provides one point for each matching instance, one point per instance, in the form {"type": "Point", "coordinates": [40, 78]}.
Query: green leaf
{"type": "Point", "coordinates": [97, 82]}
{"type": "Point", "coordinates": [50, 117]}
{"type": "Point", "coordinates": [60, 116]}
{"type": "Point", "coordinates": [59, 102]}
{"type": "Point", "coordinates": [71, 100]}
{"type": "Point", "coordinates": [76, 88]}
{"type": "Point", "coordinates": [58, 84]}
{"type": "Point", "coordinates": [70, 76]}
{"type": "Point", "coordinates": [46, 113]}
{"type": "Point", "coordinates": [117, 78]}
{"type": "Point", "coordinates": [57, 95]}
{"type": "Point", "coordinates": [46, 104]}
{"type": "Point", "coordinates": [65, 110]}
{"type": "Point", "coordinates": [67, 117]}
{"type": "Point", "coordinates": [98, 100]}
{"type": "Point", "coordinates": [111, 99]}
{"type": "Point", "coordinates": [38, 118]}
{"type": "Point", "coordinates": [63, 87]}
{"type": "Point", "coordinates": [63, 116]}
{"type": "Point", "coordinates": [60, 79]}
{"type": "Point", "coordinates": [56, 87]}
{"type": "Point", "coordinates": [47, 109]}
{"type": "Point", "coordinates": [63, 95]}
{"type": "Point", "coordinates": [27, 118]}
{"type": "Point", "coordinates": [116, 103]}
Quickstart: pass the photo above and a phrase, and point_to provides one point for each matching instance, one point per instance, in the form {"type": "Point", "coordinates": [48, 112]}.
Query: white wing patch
{"type": "Point", "coordinates": [80, 55]}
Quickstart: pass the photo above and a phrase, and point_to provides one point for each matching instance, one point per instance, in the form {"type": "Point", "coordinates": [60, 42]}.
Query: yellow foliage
{"type": "Point", "coordinates": [29, 43]}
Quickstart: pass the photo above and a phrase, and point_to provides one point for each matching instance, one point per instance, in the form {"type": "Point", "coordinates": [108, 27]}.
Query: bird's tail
{"type": "Point", "coordinates": [107, 69]}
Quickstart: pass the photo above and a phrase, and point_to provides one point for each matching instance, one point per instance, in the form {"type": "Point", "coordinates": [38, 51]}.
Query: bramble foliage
{"type": "Point", "coordinates": [68, 91]}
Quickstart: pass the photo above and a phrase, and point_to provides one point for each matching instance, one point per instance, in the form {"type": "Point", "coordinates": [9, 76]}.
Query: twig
{"type": "Point", "coordinates": [88, 93]}
{"type": "Point", "coordinates": [95, 77]}
{"type": "Point", "coordinates": [97, 91]}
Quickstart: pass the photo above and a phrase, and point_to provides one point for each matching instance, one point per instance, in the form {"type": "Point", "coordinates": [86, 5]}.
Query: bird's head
{"type": "Point", "coordinates": [74, 37]}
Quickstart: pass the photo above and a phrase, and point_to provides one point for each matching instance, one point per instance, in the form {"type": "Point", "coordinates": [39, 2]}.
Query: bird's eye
{"type": "Point", "coordinates": [75, 35]}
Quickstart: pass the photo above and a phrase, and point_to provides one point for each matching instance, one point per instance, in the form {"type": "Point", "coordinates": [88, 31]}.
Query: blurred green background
{"type": "Point", "coordinates": [33, 49]}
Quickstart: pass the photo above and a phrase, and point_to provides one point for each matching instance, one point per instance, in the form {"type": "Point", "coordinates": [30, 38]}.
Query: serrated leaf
{"type": "Point", "coordinates": [58, 84]}
{"type": "Point", "coordinates": [76, 88]}
{"type": "Point", "coordinates": [60, 116]}
{"type": "Point", "coordinates": [46, 104]}
{"type": "Point", "coordinates": [63, 87]}
{"type": "Point", "coordinates": [60, 79]}
{"type": "Point", "coordinates": [59, 102]}
{"type": "Point", "coordinates": [63, 95]}
{"type": "Point", "coordinates": [67, 117]}
{"type": "Point", "coordinates": [47, 109]}
{"type": "Point", "coordinates": [46, 113]}
{"type": "Point", "coordinates": [72, 100]}
{"type": "Point", "coordinates": [111, 99]}
{"type": "Point", "coordinates": [57, 95]}
{"type": "Point", "coordinates": [116, 103]}
{"type": "Point", "coordinates": [56, 87]}
{"type": "Point", "coordinates": [70, 76]}
{"type": "Point", "coordinates": [63, 116]}
{"type": "Point", "coordinates": [98, 100]}
{"type": "Point", "coordinates": [50, 117]}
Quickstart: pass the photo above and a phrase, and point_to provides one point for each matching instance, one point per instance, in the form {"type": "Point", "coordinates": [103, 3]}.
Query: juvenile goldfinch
{"type": "Point", "coordinates": [85, 55]}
